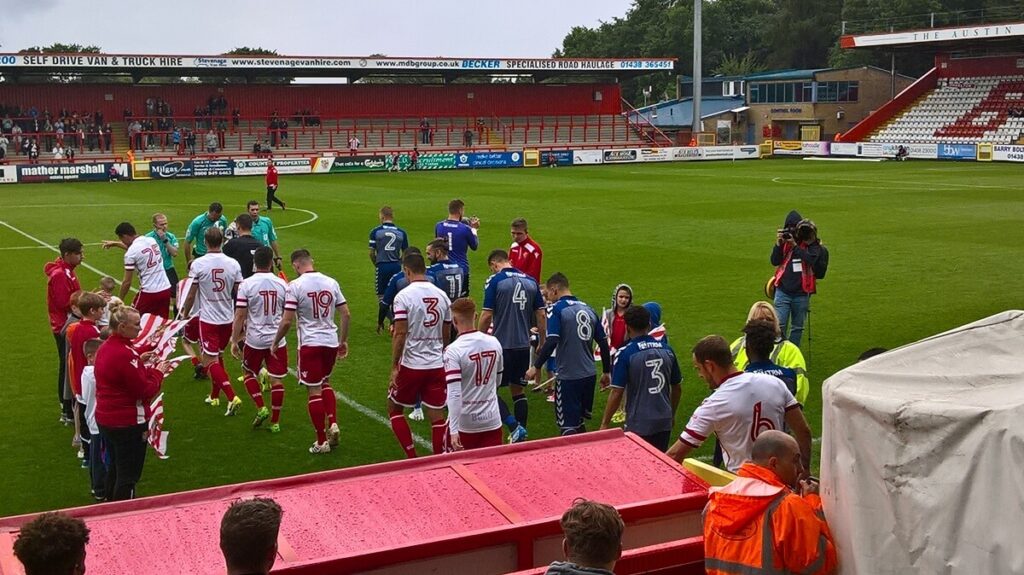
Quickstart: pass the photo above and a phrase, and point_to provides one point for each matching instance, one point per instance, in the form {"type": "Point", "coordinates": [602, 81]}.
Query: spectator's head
{"type": "Point", "coordinates": [216, 209]}
{"type": "Point", "coordinates": [244, 221]}
{"type": "Point", "coordinates": [623, 297]}
{"type": "Point", "coordinates": [263, 258]}
{"type": "Point", "coordinates": [593, 534]}
{"type": "Point", "coordinates": [456, 208]}
{"type": "Point", "coordinates": [302, 261]}
{"type": "Point", "coordinates": [778, 452]}
{"type": "Point", "coordinates": [638, 321]}
{"type": "Point", "coordinates": [90, 348]}
{"type": "Point", "coordinates": [765, 310]}
{"type": "Point", "coordinates": [248, 535]}
{"type": "Point", "coordinates": [498, 260]}
{"type": "Point", "coordinates": [214, 237]}
{"type": "Point", "coordinates": [760, 339]}
{"type": "Point", "coordinates": [52, 544]}
{"type": "Point", "coordinates": [463, 314]}
{"type": "Point", "coordinates": [126, 233]}
{"type": "Point", "coordinates": [108, 284]}
{"type": "Point", "coordinates": [125, 322]}
{"type": "Point", "coordinates": [71, 251]}
{"type": "Point", "coordinates": [413, 264]}
{"type": "Point", "coordinates": [520, 231]}
{"type": "Point", "coordinates": [387, 214]}
{"type": "Point", "coordinates": [437, 250]}
{"type": "Point", "coordinates": [713, 360]}
{"type": "Point", "coordinates": [872, 353]}
{"type": "Point", "coordinates": [557, 286]}
{"type": "Point", "coordinates": [253, 207]}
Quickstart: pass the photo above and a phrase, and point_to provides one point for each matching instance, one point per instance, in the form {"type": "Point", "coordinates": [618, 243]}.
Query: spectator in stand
{"type": "Point", "coordinates": [92, 137]}
{"type": "Point", "coordinates": [593, 539]}
{"type": "Point", "coordinates": [69, 154]}
{"type": "Point", "coordinates": [248, 536]}
{"type": "Point", "coordinates": [48, 134]}
{"type": "Point", "coordinates": [52, 544]}
{"type": "Point", "coordinates": [7, 125]}
{"type": "Point", "coordinates": [211, 142]}
{"type": "Point", "coordinates": [61, 282]}
{"type": "Point", "coordinates": [424, 131]}
{"type": "Point", "coordinates": [236, 116]}
{"type": "Point", "coordinates": [190, 142]}
{"type": "Point", "coordinates": [25, 147]}
{"type": "Point", "coordinates": [33, 152]}
{"type": "Point", "coordinates": [4, 142]}
{"type": "Point", "coordinates": [58, 153]}
{"type": "Point", "coordinates": [222, 128]}
{"type": "Point", "coordinates": [282, 126]}
{"type": "Point", "coordinates": [176, 141]}
{"type": "Point", "coordinates": [16, 137]}
{"type": "Point", "coordinates": [353, 145]}
{"type": "Point", "coordinates": [467, 138]}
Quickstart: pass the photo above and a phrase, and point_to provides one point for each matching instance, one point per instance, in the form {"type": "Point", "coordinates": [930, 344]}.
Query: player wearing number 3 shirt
{"type": "Point", "coordinates": [215, 280]}
{"type": "Point", "coordinates": [314, 300]}
{"type": "Point", "coordinates": [422, 327]}
{"type": "Point", "coordinates": [473, 365]}
{"type": "Point", "coordinates": [143, 256]}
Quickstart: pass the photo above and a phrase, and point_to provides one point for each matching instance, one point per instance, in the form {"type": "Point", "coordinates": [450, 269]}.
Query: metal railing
{"type": "Point", "coordinates": [981, 16]}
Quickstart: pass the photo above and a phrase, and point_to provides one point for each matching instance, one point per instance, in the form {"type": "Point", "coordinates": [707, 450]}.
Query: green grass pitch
{"type": "Point", "coordinates": [916, 248]}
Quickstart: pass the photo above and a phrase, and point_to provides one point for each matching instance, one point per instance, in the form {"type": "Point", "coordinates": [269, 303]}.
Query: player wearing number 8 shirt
{"type": "Point", "coordinates": [143, 256]}
{"type": "Point", "coordinates": [315, 300]}
{"type": "Point", "coordinates": [572, 329]}
{"type": "Point", "coordinates": [473, 366]}
{"type": "Point", "coordinates": [258, 310]}
{"type": "Point", "coordinates": [215, 280]}
{"type": "Point", "coordinates": [422, 328]}
{"type": "Point", "coordinates": [646, 372]}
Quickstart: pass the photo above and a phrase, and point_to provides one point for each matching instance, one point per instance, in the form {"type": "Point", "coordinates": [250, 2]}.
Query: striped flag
{"type": "Point", "coordinates": [157, 435]}
{"type": "Point", "coordinates": [150, 323]}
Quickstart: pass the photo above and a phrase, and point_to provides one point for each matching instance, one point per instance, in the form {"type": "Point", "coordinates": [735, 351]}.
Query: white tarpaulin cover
{"type": "Point", "coordinates": [923, 455]}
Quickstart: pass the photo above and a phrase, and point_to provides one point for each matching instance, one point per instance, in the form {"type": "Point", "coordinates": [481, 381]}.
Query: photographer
{"type": "Point", "coordinates": [800, 260]}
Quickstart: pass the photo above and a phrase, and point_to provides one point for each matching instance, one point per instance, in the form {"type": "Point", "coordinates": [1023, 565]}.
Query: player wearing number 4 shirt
{"type": "Point", "coordinates": [215, 280]}
{"type": "Point", "coordinates": [143, 256]}
{"type": "Point", "coordinates": [647, 373]}
{"type": "Point", "coordinates": [422, 328]}
{"type": "Point", "coordinates": [258, 310]}
{"type": "Point", "coordinates": [473, 367]}
{"type": "Point", "coordinates": [314, 301]}
{"type": "Point", "coordinates": [742, 406]}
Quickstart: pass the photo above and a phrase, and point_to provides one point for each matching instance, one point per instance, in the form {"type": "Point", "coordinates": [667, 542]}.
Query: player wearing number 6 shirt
{"type": "Point", "coordinates": [572, 329]}
{"type": "Point", "coordinates": [647, 373]}
{"type": "Point", "coordinates": [215, 280]}
{"type": "Point", "coordinates": [143, 256]}
{"type": "Point", "coordinates": [742, 406]}
{"type": "Point", "coordinates": [259, 306]}
{"type": "Point", "coordinates": [422, 327]}
{"type": "Point", "coordinates": [472, 367]}
{"type": "Point", "coordinates": [314, 300]}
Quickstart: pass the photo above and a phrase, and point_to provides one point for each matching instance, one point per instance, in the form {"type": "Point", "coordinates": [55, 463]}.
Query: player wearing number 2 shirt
{"type": "Point", "coordinates": [387, 244]}
{"type": "Point", "coordinates": [143, 257]}
{"type": "Point", "coordinates": [472, 366]}
{"type": "Point", "coordinates": [422, 327]}
{"type": "Point", "coordinates": [314, 300]}
{"type": "Point", "coordinates": [215, 280]}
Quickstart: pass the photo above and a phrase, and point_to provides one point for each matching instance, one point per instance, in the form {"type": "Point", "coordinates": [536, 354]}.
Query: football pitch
{"type": "Point", "coordinates": [916, 248]}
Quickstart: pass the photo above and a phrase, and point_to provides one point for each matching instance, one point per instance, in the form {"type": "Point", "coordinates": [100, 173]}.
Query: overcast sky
{"type": "Point", "coordinates": [424, 28]}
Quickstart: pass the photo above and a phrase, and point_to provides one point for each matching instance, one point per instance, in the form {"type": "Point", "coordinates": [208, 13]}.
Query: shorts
{"type": "Point", "coordinates": [316, 362]}
{"type": "Point", "coordinates": [253, 359]}
{"type": "Point", "coordinates": [172, 276]}
{"type": "Point", "coordinates": [476, 440]}
{"type": "Point", "coordinates": [571, 403]}
{"type": "Point", "coordinates": [156, 303]}
{"type": "Point", "coordinates": [191, 331]}
{"type": "Point", "coordinates": [214, 338]}
{"type": "Point", "coordinates": [659, 440]}
{"type": "Point", "coordinates": [426, 385]}
{"type": "Point", "coordinates": [516, 363]}
{"type": "Point", "coordinates": [385, 271]}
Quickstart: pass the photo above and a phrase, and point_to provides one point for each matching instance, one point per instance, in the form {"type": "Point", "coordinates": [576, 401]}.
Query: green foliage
{"type": "Point", "coordinates": [249, 79]}
{"type": "Point", "coordinates": [732, 65]}
{"type": "Point", "coordinates": [58, 48]}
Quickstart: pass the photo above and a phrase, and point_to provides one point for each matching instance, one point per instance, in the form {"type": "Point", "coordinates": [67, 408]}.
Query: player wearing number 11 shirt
{"type": "Point", "coordinates": [422, 328]}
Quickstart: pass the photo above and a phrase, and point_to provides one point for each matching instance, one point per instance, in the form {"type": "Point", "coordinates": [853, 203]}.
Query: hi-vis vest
{"type": "Point", "coordinates": [784, 354]}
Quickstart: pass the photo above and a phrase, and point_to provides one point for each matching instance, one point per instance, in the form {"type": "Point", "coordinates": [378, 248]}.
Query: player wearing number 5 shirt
{"type": "Point", "coordinates": [314, 301]}
{"type": "Point", "coordinates": [215, 280]}
{"type": "Point", "coordinates": [142, 255]}
{"type": "Point", "coordinates": [422, 327]}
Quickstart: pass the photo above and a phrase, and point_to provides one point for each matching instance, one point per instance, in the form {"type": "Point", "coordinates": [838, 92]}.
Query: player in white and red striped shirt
{"type": "Point", "coordinates": [315, 300]}
{"type": "Point", "coordinates": [216, 280]}
{"type": "Point", "coordinates": [473, 364]}
{"type": "Point", "coordinates": [259, 307]}
{"type": "Point", "coordinates": [422, 328]}
{"type": "Point", "coordinates": [142, 255]}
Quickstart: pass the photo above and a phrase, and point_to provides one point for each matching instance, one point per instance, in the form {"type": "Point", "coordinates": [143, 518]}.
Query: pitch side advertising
{"type": "Point", "coordinates": [999, 154]}
{"type": "Point", "coordinates": [717, 153]}
{"type": "Point", "coordinates": [489, 160]}
{"type": "Point", "coordinates": [843, 149]}
{"type": "Point", "coordinates": [97, 172]}
{"type": "Point", "coordinates": [556, 158]}
{"type": "Point", "coordinates": [587, 157]}
{"type": "Point", "coordinates": [8, 174]}
{"type": "Point", "coordinates": [958, 151]}
{"type": "Point", "coordinates": [341, 164]}
{"type": "Point", "coordinates": [284, 166]}
{"type": "Point", "coordinates": [685, 154]}
{"type": "Point", "coordinates": [655, 155]}
{"type": "Point", "coordinates": [621, 156]}
{"type": "Point", "coordinates": [445, 161]}
{"type": "Point", "coordinates": [172, 169]}
{"type": "Point", "coordinates": [211, 168]}
{"type": "Point", "coordinates": [814, 148]}
{"type": "Point", "coordinates": [783, 148]}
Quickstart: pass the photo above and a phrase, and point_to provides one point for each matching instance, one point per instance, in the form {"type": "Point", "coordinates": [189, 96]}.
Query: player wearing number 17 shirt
{"type": "Point", "coordinates": [215, 280]}
{"type": "Point", "coordinates": [143, 256]}
{"type": "Point", "coordinates": [572, 329]}
{"type": "Point", "coordinates": [422, 328]}
{"type": "Point", "coordinates": [473, 366]}
{"type": "Point", "coordinates": [315, 301]}
{"type": "Point", "coordinates": [258, 310]}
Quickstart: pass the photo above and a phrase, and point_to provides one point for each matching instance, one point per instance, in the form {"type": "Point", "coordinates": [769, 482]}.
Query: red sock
{"type": "Point", "coordinates": [195, 361]}
{"type": "Point", "coordinates": [276, 401]}
{"type": "Point", "coordinates": [316, 415]}
{"type": "Point", "coordinates": [330, 404]}
{"type": "Point", "coordinates": [438, 430]}
{"type": "Point", "coordinates": [401, 428]}
{"type": "Point", "coordinates": [253, 387]}
{"type": "Point", "coordinates": [214, 389]}
{"type": "Point", "coordinates": [219, 377]}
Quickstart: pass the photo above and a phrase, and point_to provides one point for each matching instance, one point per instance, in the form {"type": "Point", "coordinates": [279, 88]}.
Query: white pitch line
{"type": "Point", "coordinates": [42, 247]}
{"type": "Point", "coordinates": [53, 248]}
{"type": "Point", "coordinates": [302, 223]}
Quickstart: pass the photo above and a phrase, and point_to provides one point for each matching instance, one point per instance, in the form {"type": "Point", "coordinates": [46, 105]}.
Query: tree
{"type": "Point", "coordinates": [59, 48]}
{"type": "Point", "coordinates": [733, 65]}
{"type": "Point", "coordinates": [249, 78]}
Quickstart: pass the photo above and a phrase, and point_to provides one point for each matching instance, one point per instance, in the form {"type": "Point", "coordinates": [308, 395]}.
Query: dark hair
{"type": "Point", "coordinates": [412, 250]}
{"type": "Point", "coordinates": [497, 256]}
{"type": "Point", "coordinates": [244, 222]}
{"type": "Point", "coordinates": [557, 280]}
{"type": "Point", "coordinates": [414, 263]}
{"type": "Point", "coordinates": [439, 244]}
{"type": "Point", "coordinates": [70, 246]}
{"type": "Point", "coordinates": [263, 257]}
{"type": "Point", "coordinates": [593, 533]}
{"type": "Point", "coordinates": [214, 237]}
{"type": "Point", "coordinates": [216, 208]}
{"type": "Point", "coordinates": [519, 224]}
{"type": "Point", "coordinates": [714, 348]}
{"type": "Point", "coordinates": [760, 338]}
{"type": "Point", "coordinates": [637, 317]}
{"type": "Point", "coordinates": [125, 229]}
{"type": "Point", "coordinates": [248, 533]}
{"type": "Point", "coordinates": [872, 353]}
{"type": "Point", "coordinates": [251, 203]}
{"type": "Point", "coordinates": [455, 206]}
{"type": "Point", "coordinates": [53, 543]}
{"type": "Point", "coordinates": [300, 254]}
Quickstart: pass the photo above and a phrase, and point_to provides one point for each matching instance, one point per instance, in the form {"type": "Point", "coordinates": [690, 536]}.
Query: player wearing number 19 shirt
{"type": "Point", "coordinates": [143, 256]}
{"type": "Point", "coordinates": [315, 300]}
{"type": "Point", "coordinates": [258, 310]}
{"type": "Point", "coordinates": [473, 366]}
{"type": "Point", "coordinates": [215, 280]}
{"type": "Point", "coordinates": [573, 328]}
{"type": "Point", "coordinates": [422, 328]}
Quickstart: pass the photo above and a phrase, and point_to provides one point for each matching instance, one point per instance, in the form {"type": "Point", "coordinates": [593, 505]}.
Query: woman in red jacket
{"type": "Point", "coordinates": [125, 385]}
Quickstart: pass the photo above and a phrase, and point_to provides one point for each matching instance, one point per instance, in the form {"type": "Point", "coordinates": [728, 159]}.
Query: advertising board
{"type": "Point", "coordinates": [94, 172]}
{"type": "Point", "coordinates": [621, 156]}
{"type": "Point", "coordinates": [1008, 153]}
{"type": "Point", "coordinates": [587, 157]}
{"type": "Point", "coordinates": [556, 158]}
{"type": "Point", "coordinates": [843, 149]}
{"type": "Point", "coordinates": [489, 160]}
{"type": "Point", "coordinates": [284, 166]}
{"type": "Point", "coordinates": [8, 174]}
{"type": "Point", "coordinates": [171, 169]}
{"type": "Point", "coordinates": [655, 154]}
{"type": "Point", "coordinates": [958, 151]}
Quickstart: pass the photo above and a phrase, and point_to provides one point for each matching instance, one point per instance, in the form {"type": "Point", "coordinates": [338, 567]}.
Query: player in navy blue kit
{"type": "Point", "coordinates": [512, 303]}
{"type": "Point", "coordinates": [572, 328]}
{"type": "Point", "coordinates": [396, 284]}
{"type": "Point", "coordinates": [647, 374]}
{"type": "Point", "coordinates": [444, 273]}
{"type": "Point", "coordinates": [460, 233]}
{"type": "Point", "coordinates": [387, 244]}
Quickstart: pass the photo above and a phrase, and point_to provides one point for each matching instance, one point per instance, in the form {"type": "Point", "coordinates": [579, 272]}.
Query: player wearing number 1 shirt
{"type": "Point", "coordinates": [422, 328]}
{"type": "Point", "coordinates": [314, 301]}
{"type": "Point", "coordinates": [215, 281]}
{"type": "Point", "coordinates": [143, 256]}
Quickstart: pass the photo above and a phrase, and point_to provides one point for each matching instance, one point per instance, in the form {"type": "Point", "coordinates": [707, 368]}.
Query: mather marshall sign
{"type": "Point", "coordinates": [934, 35]}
